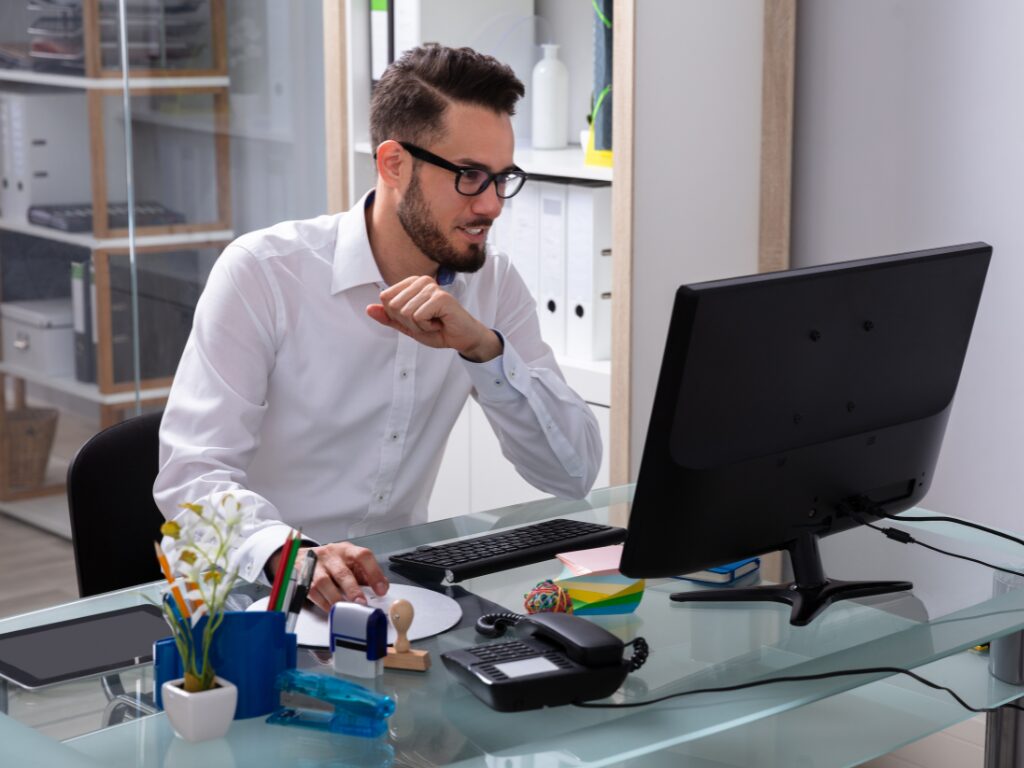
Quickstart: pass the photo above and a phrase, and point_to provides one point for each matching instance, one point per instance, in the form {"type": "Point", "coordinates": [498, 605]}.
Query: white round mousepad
{"type": "Point", "coordinates": [433, 613]}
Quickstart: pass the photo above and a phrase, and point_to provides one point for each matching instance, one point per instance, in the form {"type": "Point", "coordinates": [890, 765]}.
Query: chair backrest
{"type": "Point", "coordinates": [114, 520]}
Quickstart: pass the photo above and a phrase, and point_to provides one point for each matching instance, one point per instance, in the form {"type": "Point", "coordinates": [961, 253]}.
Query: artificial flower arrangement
{"type": "Point", "coordinates": [197, 546]}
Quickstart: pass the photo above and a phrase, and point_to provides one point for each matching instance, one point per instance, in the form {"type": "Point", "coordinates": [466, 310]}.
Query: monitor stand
{"type": "Point", "coordinates": [809, 593]}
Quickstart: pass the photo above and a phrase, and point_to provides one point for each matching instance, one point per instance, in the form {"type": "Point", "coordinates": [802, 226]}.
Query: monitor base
{"type": "Point", "coordinates": [807, 602]}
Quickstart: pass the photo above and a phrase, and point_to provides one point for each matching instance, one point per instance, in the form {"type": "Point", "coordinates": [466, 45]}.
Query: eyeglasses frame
{"type": "Point", "coordinates": [429, 157]}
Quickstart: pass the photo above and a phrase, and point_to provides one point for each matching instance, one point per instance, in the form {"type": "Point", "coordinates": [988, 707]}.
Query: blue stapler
{"type": "Point", "coordinates": [352, 709]}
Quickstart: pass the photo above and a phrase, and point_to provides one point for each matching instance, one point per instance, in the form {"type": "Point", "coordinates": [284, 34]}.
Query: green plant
{"type": "Point", "coordinates": [197, 544]}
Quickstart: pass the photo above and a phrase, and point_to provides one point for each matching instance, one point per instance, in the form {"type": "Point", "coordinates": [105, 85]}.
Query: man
{"type": "Point", "coordinates": [330, 358]}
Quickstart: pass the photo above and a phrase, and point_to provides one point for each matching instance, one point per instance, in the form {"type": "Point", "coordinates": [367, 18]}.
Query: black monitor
{"type": "Point", "coordinates": [794, 405]}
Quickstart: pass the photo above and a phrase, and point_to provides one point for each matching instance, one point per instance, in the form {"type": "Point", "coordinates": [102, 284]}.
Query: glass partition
{"type": "Point", "coordinates": [113, 210]}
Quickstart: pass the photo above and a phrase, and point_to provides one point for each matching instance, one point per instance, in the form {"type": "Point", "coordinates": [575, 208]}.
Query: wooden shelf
{"type": "Point", "coordinates": [563, 163]}
{"type": "Point", "coordinates": [566, 163]}
{"type": "Point", "coordinates": [86, 240]}
{"type": "Point", "coordinates": [80, 389]}
{"type": "Point", "coordinates": [81, 82]}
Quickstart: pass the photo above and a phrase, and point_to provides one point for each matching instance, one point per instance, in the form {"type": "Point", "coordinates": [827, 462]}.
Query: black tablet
{"type": "Point", "coordinates": [89, 645]}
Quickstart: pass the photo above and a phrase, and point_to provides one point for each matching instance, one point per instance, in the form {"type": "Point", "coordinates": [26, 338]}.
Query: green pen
{"type": "Point", "coordinates": [289, 569]}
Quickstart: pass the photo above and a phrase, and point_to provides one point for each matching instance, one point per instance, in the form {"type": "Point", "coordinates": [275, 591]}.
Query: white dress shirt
{"type": "Point", "coordinates": [311, 412]}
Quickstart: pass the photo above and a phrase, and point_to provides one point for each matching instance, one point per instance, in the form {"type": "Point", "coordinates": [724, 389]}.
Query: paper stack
{"type": "Point", "coordinates": [595, 585]}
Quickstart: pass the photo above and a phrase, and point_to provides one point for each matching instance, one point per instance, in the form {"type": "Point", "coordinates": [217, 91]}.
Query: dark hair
{"type": "Point", "coordinates": [410, 99]}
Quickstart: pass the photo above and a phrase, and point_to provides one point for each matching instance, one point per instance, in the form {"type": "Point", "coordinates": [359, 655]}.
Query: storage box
{"type": "Point", "coordinates": [38, 335]}
{"type": "Point", "coordinates": [169, 285]}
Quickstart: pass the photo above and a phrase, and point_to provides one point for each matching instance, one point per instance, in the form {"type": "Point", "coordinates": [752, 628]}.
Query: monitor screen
{"type": "Point", "coordinates": [790, 404]}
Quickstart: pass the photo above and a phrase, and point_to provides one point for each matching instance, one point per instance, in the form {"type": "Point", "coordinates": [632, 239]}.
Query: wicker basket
{"type": "Point", "coordinates": [27, 437]}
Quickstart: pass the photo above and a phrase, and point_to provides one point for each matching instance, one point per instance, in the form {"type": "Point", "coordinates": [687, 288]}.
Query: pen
{"type": "Point", "coordinates": [279, 577]}
{"type": "Point", "coordinates": [281, 571]}
{"type": "Point", "coordinates": [288, 587]}
{"type": "Point", "coordinates": [301, 590]}
{"type": "Point", "coordinates": [166, 568]}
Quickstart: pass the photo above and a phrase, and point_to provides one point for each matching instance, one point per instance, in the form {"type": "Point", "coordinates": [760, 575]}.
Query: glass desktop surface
{"type": "Point", "coordinates": [438, 722]}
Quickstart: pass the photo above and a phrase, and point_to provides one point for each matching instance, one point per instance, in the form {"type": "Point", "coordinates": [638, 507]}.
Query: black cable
{"type": "Point", "coordinates": [801, 678]}
{"type": "Point", "coordinates": [495, 624]}
{"type": "Point", "coordinates": [640, 653]}
{"type": "Point", "coordinates": [943, 519]}
{"type": "Point", "coordinates": [905, 538]}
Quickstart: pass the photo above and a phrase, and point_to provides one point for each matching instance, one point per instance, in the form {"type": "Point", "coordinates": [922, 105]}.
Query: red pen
{"type": "Point", "coordinates": [290, 541]}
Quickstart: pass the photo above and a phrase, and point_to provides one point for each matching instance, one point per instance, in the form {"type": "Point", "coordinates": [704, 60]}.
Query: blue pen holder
{"type": "Point", "coordinates": [250, 648]}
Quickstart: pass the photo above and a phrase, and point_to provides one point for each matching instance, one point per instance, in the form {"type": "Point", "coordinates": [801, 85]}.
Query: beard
{"type": "Point", "coordinates": [419, 225]}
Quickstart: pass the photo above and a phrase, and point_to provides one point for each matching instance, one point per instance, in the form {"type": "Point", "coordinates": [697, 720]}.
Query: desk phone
{"type": "Point", "coordinates": [563, 659]}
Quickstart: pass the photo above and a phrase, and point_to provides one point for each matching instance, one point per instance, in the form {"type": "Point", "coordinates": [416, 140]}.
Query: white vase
{"type": "Point", "coordinates": [201, 715]}
{"type": "Point", "coordinates": [550, 101]}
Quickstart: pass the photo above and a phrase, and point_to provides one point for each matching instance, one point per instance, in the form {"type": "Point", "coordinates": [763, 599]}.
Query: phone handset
{"type": "Point", "coordinates": [581, 640]}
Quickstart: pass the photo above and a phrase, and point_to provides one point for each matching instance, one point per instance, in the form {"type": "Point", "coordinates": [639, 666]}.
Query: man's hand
{"type": "Point", "coordinates": [420, 308]}
{"type": "Point", "coordinates": [340, 569]}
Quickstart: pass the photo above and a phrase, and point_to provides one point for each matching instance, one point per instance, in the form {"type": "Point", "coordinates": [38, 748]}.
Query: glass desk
{"type": "Point", "coordinates": [831, 722]}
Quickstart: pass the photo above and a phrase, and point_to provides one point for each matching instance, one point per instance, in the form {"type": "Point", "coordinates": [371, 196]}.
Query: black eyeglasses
{"type": "Point", "coordinates": [472, 181]}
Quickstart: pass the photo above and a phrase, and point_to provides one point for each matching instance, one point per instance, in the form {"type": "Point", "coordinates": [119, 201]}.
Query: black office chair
{"type": "Point", "coordinates": [114, 520]}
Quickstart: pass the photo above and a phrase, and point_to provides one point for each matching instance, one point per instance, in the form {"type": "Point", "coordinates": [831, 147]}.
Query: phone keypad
{"type": "Point", "coordinates": [503, 651]}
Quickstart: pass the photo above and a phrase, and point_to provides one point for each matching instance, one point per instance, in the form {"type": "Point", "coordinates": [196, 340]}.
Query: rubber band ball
{"type": "Point", "coordinates": [547, 597]}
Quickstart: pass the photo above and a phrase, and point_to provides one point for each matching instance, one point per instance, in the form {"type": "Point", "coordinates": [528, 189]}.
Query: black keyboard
{"type": "Point", "coordinates": [467, 558]}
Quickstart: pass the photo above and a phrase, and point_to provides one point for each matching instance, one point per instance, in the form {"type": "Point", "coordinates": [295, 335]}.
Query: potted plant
{"type": "Point", "coordinates": [195, 559]}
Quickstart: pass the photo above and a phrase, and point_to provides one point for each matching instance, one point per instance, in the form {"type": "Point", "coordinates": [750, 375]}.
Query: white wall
{"type": "Point", "coordinates": [697, 137]}
{"type": "Point", "coordinates": [908, 135]}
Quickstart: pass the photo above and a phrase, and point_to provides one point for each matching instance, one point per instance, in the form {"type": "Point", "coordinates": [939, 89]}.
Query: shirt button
{"type": "Point", "coordinates": [394, 435]}
{"type": "Point", "coordinates": [497, 382]}
{"type": "Point", "coordinates": [380, 497]}
{"type": "Point", "coordinates": [512, 373]}
{"type": "Point", "coordinates": [404, 374]}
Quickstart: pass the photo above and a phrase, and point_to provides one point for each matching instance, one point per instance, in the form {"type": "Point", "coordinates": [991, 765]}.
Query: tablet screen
{"type": "Point", "coordinates": [54, 653]}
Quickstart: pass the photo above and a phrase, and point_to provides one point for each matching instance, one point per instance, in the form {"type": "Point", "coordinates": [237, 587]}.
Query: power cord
{"type": "Point", "coordinates": [943, 519]}
{"type": "Point", "coordinates": [905, 538]}
{"type": "Point", "coordinates": [859, 505]}
{"type": "Point", "coordinates": [801, 678]}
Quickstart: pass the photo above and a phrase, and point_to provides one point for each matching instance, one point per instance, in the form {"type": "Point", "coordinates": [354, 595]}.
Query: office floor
{"type": "Point", "coordinates": [37, 569]}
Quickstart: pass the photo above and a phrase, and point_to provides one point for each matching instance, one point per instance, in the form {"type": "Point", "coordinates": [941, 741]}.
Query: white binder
{"type": "Point", "coordinates": [553, 204]}
{"type": "Point", "coordinates": [588, 333]}
{"type": "Point", "coordinates": [524, 236]}
{"type": "Point", "coordinates": [500, 236]}
{"type": "Point", "coordinates": [46, 150]}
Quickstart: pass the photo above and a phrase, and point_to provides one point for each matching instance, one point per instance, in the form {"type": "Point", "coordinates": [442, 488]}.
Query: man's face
{"type": "Point", "coordinates": [448, 227]}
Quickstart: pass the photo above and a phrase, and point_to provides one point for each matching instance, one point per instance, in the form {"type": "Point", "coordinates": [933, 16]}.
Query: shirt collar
{"type": "Point", "coordinates": [353, 259]}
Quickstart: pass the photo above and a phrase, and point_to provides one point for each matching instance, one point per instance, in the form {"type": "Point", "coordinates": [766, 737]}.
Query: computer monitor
{"type": "Point", "coordinates": [798, 404]}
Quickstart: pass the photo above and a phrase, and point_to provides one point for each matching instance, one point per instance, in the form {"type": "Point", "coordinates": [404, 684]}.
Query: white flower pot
{"type": "Point", "coordinates": [202, 715]}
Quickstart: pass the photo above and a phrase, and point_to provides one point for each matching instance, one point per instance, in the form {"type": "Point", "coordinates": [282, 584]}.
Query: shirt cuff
{"type": "Point", "coordinates": [258, 548]}
{"type": "Point", "coordinates": [502, 379]}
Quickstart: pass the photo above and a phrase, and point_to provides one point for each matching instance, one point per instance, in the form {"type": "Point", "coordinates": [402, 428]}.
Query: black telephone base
{"type": "Point", "coordinates": [526, 674]}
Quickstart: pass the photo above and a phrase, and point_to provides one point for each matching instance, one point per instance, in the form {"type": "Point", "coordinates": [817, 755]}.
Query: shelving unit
{"type": "Point", "coordinates": [103, 86]}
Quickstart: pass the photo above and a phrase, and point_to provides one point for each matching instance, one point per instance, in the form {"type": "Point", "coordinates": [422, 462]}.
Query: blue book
{"type": "Point", "coordinates": [723, 574]}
